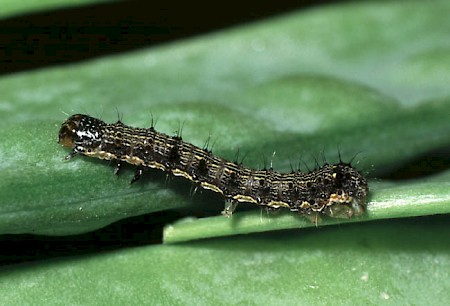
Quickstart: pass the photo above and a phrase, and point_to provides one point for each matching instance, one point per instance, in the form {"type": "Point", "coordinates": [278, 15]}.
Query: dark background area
{"type": "Point", "coordinates": [74, 34]}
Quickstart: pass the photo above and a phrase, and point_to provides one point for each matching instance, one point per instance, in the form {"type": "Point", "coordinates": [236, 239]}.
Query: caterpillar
{"type": "Point", "coordinates": [336, 190]}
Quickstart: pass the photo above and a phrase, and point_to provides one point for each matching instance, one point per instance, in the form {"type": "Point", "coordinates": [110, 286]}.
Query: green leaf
{"type": "Point", "coordinates": [389, 200]}
{"type": "Point", "coordinates": [12, 7]}
{"type": "Point", "coordinates": [290, 85]}
{"type": "Point", "coordinates": [403, 262]}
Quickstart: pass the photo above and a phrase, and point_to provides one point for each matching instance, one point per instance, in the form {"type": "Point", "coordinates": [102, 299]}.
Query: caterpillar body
{"type": "Point", "coordinates": [337, 190]}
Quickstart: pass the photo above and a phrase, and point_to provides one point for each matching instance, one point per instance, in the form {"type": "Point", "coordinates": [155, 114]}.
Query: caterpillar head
{"type": "Point", "coordinates": [81, 132]}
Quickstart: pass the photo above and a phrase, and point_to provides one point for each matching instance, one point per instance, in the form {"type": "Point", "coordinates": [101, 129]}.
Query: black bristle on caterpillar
{"type": "Point", "coordinates": [337, 190]}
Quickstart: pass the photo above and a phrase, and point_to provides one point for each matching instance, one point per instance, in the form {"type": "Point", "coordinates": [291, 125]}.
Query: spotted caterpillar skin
{"type": "Point", "coordinates": [337, 190]}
